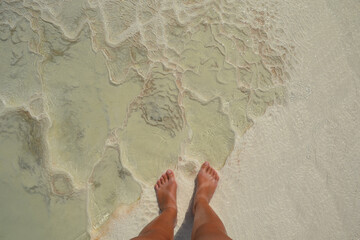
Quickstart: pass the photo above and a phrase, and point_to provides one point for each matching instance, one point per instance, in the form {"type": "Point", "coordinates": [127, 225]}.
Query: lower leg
{"type": "Point", "coordinates": [162, 227]}
{"type": "Point", "coordinates": [207, 224]}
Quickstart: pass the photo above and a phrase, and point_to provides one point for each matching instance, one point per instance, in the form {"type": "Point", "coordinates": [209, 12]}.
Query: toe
{"type": "Point", "coordinates": [161, 180]}
{"type": "Point", "coordinates": [156, 186]}
{"type": "Point", "coordinates": [213, 173]}
{"type": "Point", "coordinates": [205, 165]}
{"type": "Point", "coordinates": [164, 178]}
{"type": "Point", "coordinates": [170, 174]}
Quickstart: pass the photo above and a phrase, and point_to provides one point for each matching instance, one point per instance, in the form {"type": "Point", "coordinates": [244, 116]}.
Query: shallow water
{"type": "Point", "coordinates": [99, 97]}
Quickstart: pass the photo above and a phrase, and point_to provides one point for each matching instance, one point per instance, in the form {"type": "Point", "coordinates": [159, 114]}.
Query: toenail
{"type": "Point", "coordinates": [206, 163]}
{"type": "Point", "coordinates": [168, 171]}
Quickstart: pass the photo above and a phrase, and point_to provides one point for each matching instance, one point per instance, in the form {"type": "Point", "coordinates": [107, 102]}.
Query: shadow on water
{"type": "Point", "coordinates": [184, 232]}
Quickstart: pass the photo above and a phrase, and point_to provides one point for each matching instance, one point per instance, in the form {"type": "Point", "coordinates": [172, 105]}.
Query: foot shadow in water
{"type": "Point", "coordinates": [184, 232]}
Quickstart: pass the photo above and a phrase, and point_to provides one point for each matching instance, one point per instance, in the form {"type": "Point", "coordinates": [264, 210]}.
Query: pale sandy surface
{"type": "Point", "coordinates": [98, 98]}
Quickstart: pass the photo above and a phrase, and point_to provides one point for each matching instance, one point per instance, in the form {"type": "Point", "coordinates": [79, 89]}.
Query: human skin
{"type": "Point", "coordinates": [207, 225]}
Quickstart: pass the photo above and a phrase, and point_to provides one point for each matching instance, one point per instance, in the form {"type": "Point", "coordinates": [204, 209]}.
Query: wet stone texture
{"type": "Point", "coordinates": [32, 194]}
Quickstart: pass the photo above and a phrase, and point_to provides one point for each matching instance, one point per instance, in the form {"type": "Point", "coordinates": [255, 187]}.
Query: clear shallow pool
{"type": "Point", "coordinates": [98, 98]}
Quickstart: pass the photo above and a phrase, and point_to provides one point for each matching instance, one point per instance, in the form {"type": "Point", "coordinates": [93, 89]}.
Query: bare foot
{"type": "Point", "coordinates": [206, 183]}
{"type": "Point", "coordinates": [165, 189]}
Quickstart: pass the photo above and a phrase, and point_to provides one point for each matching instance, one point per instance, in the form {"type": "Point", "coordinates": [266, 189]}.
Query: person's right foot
{"type": "Point", "coordinates": [206, 183]}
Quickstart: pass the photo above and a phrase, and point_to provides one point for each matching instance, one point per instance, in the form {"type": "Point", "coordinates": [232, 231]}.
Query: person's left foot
{"type": "Point", "coordinates": [166, 191]}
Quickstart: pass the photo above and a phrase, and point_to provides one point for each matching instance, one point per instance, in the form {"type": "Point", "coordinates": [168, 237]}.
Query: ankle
{"type": "Point", "coordinates": [171, 210]}
{"type": "Point", "coordinates": [199, 200]}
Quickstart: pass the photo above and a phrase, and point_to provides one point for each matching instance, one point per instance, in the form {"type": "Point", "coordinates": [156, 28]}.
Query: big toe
{"type": "Point", "coordinates": [204, 166]}
{"type": "Point", "coordinates": [170, 175]}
